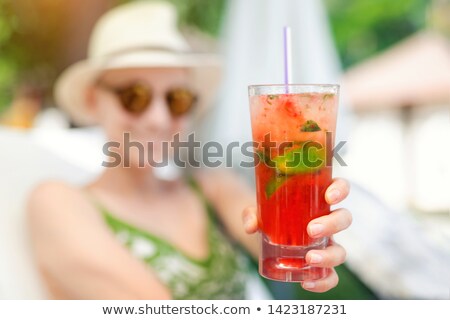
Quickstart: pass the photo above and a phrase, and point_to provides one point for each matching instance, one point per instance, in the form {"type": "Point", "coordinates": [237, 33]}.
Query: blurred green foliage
{"type": "Point", "coordinates": [204, 14]}
{"type": "Point", "coordinates": [8, 66]}
{"type": "Point", "coordinates": [29, 52]}
{"type": "Point", "coordinates": [363, 28]}
{"type": "Point", "coordinates": [29, 47]}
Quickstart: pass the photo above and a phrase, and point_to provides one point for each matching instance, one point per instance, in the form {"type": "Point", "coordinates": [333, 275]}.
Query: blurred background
{"type": "Point", "coordinates": [391, 58]}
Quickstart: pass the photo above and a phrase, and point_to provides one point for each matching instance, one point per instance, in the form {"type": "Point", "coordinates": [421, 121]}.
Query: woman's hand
{"type": "Point", "coordinates": [325, 226]}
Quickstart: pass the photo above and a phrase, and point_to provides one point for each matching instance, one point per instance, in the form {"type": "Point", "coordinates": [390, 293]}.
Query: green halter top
{"type": "Point", "coordinates": [221, 275]}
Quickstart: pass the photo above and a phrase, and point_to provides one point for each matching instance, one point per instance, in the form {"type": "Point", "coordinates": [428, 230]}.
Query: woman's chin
{"type": "Point", "coordinates": [148, 162]}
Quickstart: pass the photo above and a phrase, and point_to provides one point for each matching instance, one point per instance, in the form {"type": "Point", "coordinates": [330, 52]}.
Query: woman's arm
{"type": "Point", "coordinates": [230, 195]}
{"type": "Point", "coordinates": [79, 255]}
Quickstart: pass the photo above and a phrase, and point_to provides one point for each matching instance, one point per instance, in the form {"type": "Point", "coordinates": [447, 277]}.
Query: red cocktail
{"type": "Point", "coordinates": [294, 136]}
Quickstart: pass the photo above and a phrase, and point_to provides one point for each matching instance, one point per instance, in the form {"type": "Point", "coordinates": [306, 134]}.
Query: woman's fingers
{"type": "Point", "coordinates": [331, 256]}
{"type": "Point", "coordinates": [330, 224]}
{"type": "Point", "coordinates": [322, 285]}
{"type": "Point", "coordinates": [327, 225]}
{"type": "Point", "coordinates": [337, 191]}
{"type": "Point", "coordinates": [250, 219]}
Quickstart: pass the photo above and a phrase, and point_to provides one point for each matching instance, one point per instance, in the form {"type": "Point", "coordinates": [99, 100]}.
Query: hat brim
{"type": "Point", "coordinates": [72, 85]}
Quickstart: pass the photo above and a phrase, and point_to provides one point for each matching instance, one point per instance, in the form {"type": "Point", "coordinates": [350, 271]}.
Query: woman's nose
{"type": "Point", "coordinates": [157, 115]}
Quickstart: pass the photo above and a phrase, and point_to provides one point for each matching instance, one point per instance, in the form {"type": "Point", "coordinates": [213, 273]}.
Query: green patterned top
{"type": "Point", "coordinates": [221, 275]}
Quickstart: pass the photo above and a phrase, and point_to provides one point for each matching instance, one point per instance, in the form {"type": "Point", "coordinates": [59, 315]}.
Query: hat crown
{"type": "Point", "coordinates": [137, 25]}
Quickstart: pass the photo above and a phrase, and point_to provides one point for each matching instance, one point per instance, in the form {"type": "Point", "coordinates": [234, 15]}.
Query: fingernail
{"type": "Point", "coordinates": [316, 229]}
{"type": "Point", "coordinates": [315, 258]}
{"type": "Point", "coordinates": [334, 195]}
{"type": "Point", "coordinates": [308, 285]}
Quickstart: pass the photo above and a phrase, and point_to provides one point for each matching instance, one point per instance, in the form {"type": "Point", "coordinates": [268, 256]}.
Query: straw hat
{"type": "Point", "coordinates": [136, 35]}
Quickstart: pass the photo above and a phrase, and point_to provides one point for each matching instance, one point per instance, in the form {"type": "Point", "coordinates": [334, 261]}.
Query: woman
{"type": "Point", "coordinates": [129, 235]}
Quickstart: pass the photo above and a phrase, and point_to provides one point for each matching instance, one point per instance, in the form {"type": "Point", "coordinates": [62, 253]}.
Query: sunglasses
{"type": "Point", "coordinates": [136, 98]}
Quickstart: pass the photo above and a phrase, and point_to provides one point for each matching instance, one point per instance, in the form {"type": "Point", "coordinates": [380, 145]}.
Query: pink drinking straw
{"type": "Point", "coordinates": [287, 57]}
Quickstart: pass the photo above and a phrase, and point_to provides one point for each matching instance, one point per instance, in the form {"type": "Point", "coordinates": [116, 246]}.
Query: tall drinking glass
{"type": "Point", "coordinates": [293, 132]}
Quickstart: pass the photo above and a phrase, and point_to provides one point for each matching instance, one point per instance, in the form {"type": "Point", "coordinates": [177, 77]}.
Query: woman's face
{"type": "Point", "coordinates": [154, 124]}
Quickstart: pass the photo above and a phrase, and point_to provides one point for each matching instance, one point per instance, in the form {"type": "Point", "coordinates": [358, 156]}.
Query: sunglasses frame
{"type": "Point", "coordinates": [118, 91]}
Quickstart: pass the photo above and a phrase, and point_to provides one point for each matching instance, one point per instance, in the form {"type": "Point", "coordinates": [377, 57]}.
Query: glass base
{"type": "Point", "coordinates": [287, 263]}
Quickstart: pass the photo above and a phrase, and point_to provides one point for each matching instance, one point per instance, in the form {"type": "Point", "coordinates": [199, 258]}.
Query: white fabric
{"type": "Point", "coordinates": [395, 255]}
{"type": "Point", "coordinates": [23, 165]}
{"type": "Point", "coordinates": [401, 253]}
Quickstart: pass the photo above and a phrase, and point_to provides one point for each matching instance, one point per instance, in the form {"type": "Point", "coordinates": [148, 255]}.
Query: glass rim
{"type": "Point", "coordinates": [320, 85]}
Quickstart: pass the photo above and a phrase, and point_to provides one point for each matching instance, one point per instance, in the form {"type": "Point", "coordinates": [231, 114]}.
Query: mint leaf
{"type": "Point", "coordinates": [274, 184]}
{"type": "Point", "coordinates": [310, 126]}
{"type": "Point", "coordinates": [328, 95]}
{"type": "Point", "coordinates": [265, 158]}
{"type": "Point", "coordinates": [271, 97]}
{"type": "Point", "coordinates": [307, 157]}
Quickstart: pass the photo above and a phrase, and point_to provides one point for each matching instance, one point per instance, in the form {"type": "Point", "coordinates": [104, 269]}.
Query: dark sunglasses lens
{"type": "Point", "coordinates": [180, 101]}
{"type": "Point", "coordinates": [135, 99]}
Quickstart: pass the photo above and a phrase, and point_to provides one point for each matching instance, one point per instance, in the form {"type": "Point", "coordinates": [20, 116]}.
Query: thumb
{"type": "Point", "coordinates": [250, 220]}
